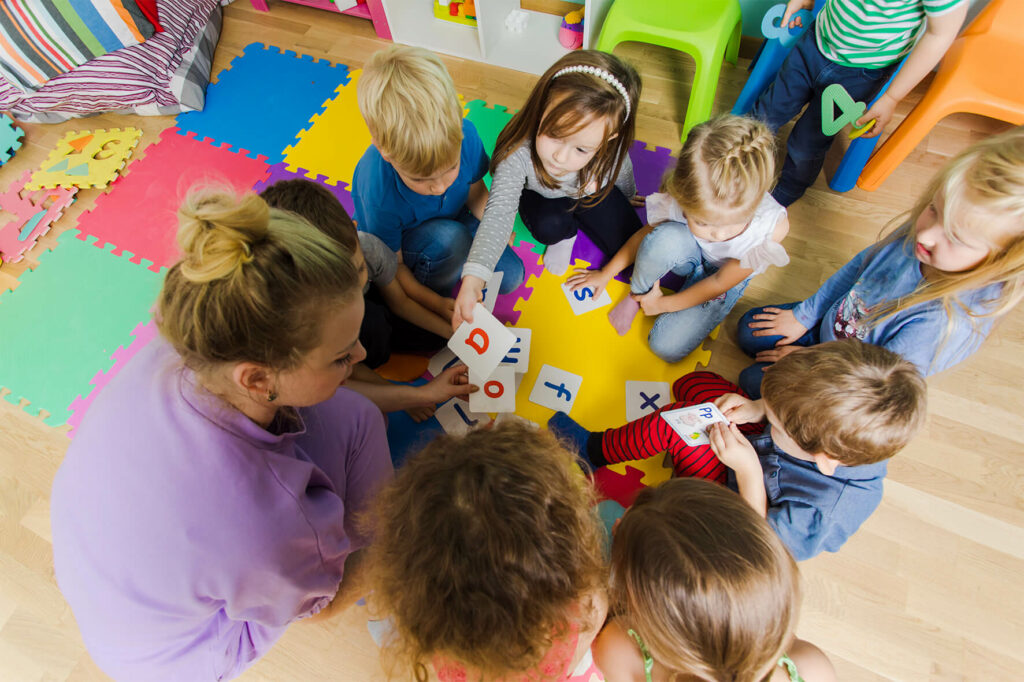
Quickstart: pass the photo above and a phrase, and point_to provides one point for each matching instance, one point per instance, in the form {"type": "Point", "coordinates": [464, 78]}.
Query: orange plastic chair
{"type": "Point", "coordinates": [982, 73]}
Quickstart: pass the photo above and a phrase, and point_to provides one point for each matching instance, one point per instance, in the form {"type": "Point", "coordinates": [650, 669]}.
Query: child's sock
{"type": "Point", "coordinates": [557, 256]}
{"type": "Point", "coordinates": [621, 316]}
{"type": "Point", "coordinates": [587, 443]}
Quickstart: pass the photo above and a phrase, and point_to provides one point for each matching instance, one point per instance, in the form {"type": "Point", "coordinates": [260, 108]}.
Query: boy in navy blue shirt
{"type": "Point", "coordinates": [419, 188]}
{"type": "Point", "coordinates": [836, 412]}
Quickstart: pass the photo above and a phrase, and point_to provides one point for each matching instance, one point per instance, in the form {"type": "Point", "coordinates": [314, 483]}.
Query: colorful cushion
{"type": "Point", "coordinates": [40, 39]}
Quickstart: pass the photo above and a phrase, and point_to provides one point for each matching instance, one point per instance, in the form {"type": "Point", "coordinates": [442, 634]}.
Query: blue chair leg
{"type": "Point", "coordinates": [762, 73]}
{"type": "Point", "coordinates": [859, 151]}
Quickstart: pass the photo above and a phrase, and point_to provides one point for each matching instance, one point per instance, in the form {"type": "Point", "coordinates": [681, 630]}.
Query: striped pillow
{"type": "Point", "coordinates": [40, 39]}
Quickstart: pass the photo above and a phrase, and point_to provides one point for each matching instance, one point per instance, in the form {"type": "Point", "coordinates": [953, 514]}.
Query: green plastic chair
{"type": "Point", "coordinates": [707, 30]}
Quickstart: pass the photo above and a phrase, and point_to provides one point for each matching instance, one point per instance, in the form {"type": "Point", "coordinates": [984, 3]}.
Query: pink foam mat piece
{"type": "Point", "coordinates": [144, 333]}
{"type": "Point", "coordinates": [139, 214]}
{"type": "Point", "coordinates": [25, 206]}
{"type": "Point", "coordinates": [503, 305]}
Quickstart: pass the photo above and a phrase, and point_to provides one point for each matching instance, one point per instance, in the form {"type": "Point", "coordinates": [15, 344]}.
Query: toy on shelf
{"type": "Point", "coordinates": [10, 138]}
{"type": "Point", "coordinates": [570, 35]}
{"type": "Point", "coordinates": [516, 21]}
{"type": "Point", "coordinates": [86, 159]}
{"type": "Point", "coordinates": [458, 11]}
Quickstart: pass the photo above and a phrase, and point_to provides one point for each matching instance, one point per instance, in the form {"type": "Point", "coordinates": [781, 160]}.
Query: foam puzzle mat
{"type": "Point", "coordinates": [248, 140]}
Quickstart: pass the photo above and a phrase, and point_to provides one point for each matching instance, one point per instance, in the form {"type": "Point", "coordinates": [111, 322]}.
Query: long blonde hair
{"type": "Point", "coordinates": [987, 177]}
{"type": "Point", "coordinates": [252, 282]}
{"type": "Point", "coordinates": [704, 581]}
{"type": "Point", "coordinates": [580, 97]}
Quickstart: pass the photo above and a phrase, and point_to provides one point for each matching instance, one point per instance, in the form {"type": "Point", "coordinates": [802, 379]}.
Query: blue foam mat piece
{"type": "Point", "coordinates": [262, 101]}
{"type": "Point", "coordinates": [405, 436]}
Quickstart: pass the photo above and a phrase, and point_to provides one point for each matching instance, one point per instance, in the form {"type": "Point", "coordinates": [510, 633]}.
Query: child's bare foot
{"type": "Point", "coordinates": [621, 316]}
{"type": "Point", "coordinates": [557, 256]}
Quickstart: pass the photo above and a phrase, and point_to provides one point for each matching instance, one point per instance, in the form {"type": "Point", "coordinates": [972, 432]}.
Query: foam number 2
{"type": "Point", "coordinates": [834, 96]}
{"type": "Point", "coordinates": [771, 25]}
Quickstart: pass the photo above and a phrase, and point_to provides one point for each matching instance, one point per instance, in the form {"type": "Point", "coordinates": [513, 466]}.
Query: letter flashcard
{"type": "Point", "coordinates": [555, 388]}
{"type": "Point", "coordinates": [583, 301]}
{"type": "Point", "coordinates": [497, 392]}
{"type": "Point", "coordinates": [518, 356]}
{"type": "Point", "coordinates": [644, 397]}
{"type": "Point", "coordinates": [490, 291]}
{"type": "Point", "coordinates": [456, 418]}
{"type": "Point", "coordinates": [482, 344]}
{"type": "Point", "coordinates": [441, 361]}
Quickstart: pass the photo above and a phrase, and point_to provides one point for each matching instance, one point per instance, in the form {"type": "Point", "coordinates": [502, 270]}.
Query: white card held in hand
{"type": "Point", "coordinates": [483, 343]}
{"type": "Point", "coordinates": [518, 356]}
{"type": "Point", "coordinates": [555, 388]}
{"type": "Point", "coordinates": [441, 361]}
{"type": "Point", "coordinates": [692, 423]}
{"type": "Point", "coordinates": [644, 397]}
{"type": "Point", "coordinates": [583, 301]}
{"type": "Point", "coordinates": [456, 418]}
{"type": "Point", "coordinates": [490, 290]}
{"type": "Point", "coordinates": [497, 392]}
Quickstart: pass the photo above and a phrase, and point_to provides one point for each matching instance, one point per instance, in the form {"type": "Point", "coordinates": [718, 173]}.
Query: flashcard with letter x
{"type": "Point", "coordinates": [483, 343]}
{"type": "Point", "coordinates": [644, 397]}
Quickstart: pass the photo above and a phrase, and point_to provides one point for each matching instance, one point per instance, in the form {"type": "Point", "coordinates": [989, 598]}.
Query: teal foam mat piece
{"type": "Point", "coordinates": [10, 138]}
{"type": "Point", "coordinates": [66, 318]}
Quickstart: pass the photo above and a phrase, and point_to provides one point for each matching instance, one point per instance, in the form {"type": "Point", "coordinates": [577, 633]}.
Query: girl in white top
{"type": "Point", "coordinates": [715, 226]}
{"type": "Point", "coordinates": [562, 163]}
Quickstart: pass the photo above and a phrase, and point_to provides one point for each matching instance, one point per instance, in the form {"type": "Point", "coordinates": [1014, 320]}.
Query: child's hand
{"type": "Point", "coordinates": [595, 279]}
{"type": "Point", "coordinates": [881, 111]}
{"type": "Point", "coordinates": [792, 7]}
{"type": "Point", "coordinates": [451, 383]}
{"type": "Point", "coordinates": [421, 414]}
{"type": "Point", "coordinates": [740, 410]}
{"type": "Point", "coordinates": [638, 200]}
{"type": "Point", "coordinates": [778, 322]}
{"type": "Point", "coordinates": [776, 354]}
{"type": "Point", "coordinates": [470, 294]}
{"type": "Point", "coordinates": [652, 302]}
{"type": "Point", "coordinates": [445, 308]}
{"type": "Point", "coordinates": [731, 448]}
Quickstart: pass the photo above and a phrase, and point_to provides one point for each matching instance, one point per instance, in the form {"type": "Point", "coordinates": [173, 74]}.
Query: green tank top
{"type": "Point", "coordinates": [784, 660]}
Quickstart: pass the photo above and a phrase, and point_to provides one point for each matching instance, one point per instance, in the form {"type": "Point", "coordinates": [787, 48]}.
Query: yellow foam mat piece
{"type": "Point", "coordinates": [336, 139]}
{"type": "Point", "coordinates": [588, 346]}
{"type": "Point", "coordinates": [86, 158]}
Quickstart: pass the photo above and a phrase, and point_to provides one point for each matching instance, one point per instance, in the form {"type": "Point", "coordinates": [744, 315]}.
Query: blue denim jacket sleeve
{"type": "Point", "coordinates": [811, 311]}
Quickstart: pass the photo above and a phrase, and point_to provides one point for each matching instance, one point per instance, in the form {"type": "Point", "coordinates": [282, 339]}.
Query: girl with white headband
{"type": "Point", "coordinates": [562, 162]}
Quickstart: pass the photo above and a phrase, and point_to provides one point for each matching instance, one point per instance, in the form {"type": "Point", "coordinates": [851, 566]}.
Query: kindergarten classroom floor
{"type": "Point", "coordinates": [930, 588]}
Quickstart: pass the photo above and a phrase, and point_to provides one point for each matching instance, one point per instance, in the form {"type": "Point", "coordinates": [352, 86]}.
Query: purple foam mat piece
{"type": "Point", "coordinates": [504, 305]}
{"type": "Point", "coordinates": [279, 171]}
{"type": "Point", "coordinates": [649, 166]}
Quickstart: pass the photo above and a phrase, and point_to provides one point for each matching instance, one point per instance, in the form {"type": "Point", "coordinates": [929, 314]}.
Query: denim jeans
{"type": "Point", "coordinates": [750, 378]}
{"type": "Point", "coordinates": [436, 249]}
{"type": "Point", "coordinates": [670, 247]}
{"type": "Point", "coordinates": [802, 79]}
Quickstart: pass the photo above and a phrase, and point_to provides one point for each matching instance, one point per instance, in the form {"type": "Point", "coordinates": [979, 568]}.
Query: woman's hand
{"type": "Point", "coordinates": [778, 322]}
{"type": "Point", "coordinates": [470, 294]}
{"type": "Point", "coordinates": [595, 279]}
{"type": "Point", "coordinates": [451, 383]}
{"type": "Point", "coordinates": [652, 302]}
{"type": "Point", "coordinates": [740, 410]}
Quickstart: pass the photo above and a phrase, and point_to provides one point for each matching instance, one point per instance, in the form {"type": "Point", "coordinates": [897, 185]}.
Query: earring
{"type": "Point", "coordinates": [271, 396]}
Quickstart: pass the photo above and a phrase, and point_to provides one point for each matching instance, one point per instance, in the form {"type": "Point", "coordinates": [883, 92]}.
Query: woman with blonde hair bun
{"type": "Point", "coordinates": [207, 499]}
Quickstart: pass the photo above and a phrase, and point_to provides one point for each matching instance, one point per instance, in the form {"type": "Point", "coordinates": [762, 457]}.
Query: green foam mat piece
{"type": "Point", "coordinates": [64, 321]}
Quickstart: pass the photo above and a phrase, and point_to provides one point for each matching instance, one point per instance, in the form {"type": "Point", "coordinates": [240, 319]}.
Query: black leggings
{"type": "Point", "coordinates": [609, 223]}
{"type": "Point", "coordinates": [382, 332]}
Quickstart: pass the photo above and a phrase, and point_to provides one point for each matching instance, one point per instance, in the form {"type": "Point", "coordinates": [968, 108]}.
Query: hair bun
{"type": "Point", "coordinates": [218, 231]}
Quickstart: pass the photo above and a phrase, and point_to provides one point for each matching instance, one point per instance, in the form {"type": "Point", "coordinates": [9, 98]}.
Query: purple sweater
{"type": "Point", "coordinates": [186, 537]}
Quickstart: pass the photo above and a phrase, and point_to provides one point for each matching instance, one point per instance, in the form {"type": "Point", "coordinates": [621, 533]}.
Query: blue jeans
{"type": "Point", "coordinates": [436, 249]}
{"type": "Point", "coordinates": [671, 247]}
{"type": "Point", "coordinates": [802, 79]}
{"type": "Point", "coordinates": [750, 378]}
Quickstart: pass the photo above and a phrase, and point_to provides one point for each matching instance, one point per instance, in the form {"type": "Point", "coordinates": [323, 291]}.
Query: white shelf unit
{"type": "Point", "coordinates": [534, 50]}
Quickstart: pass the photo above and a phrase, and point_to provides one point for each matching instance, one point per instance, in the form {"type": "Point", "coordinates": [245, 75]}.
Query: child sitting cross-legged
{"type": "Point", "coordinates": [836, 412]}
{"type": "Point", "coordinates": [392, 321]}
{"type": "Point", "coordinates": [702, 589]}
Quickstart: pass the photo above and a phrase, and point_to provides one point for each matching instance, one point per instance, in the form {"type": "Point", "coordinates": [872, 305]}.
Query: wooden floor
{"type": "Point", "coordinates": [932, 588]}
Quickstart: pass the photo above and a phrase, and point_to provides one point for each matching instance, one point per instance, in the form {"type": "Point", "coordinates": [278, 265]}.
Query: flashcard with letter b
{"type": "Point", "coordinates": [644, 397]}
{"type": "Point", "coordinates": [582, 300]}
{"type": "Point", "coordinates": [555, 389]}
{"type": "Point", "coordinates": [483, 343]}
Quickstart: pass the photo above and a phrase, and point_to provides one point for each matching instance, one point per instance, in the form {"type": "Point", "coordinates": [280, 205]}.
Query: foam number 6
{"type": "Point", "coordinates": [836, 95]}
{"type": "Point", "coordinates": [771, 25]}
{"type": "Point", "coordinates": [583, 294]}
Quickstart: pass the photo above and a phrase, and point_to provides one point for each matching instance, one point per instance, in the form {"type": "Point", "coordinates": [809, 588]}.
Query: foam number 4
{"type": "Point", "coordinates": [834, 96]}
{"type": "Point", "coordinates": [771, 25]}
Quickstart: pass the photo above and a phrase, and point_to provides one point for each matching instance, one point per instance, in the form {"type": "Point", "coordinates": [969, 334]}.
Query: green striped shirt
{"type": "Point", "coordinates": [874, 33]}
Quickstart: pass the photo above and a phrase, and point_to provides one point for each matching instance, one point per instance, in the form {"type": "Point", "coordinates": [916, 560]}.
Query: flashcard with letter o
{"type": "Point", "coordinates": [497, 392]}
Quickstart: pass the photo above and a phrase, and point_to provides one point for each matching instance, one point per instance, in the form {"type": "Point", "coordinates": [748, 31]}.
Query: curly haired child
{"type": "Point", "coordinates": [488, 560]}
